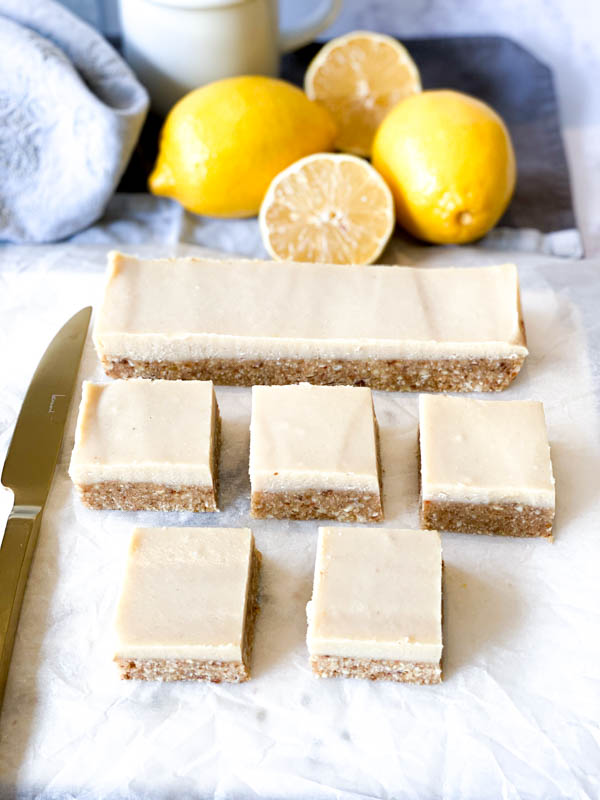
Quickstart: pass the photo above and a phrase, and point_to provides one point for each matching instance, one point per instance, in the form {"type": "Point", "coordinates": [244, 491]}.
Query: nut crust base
{"type": "Point", "coordinates": [376, 669]}
{"type": "Point", "coordinates": [404, 375]}
{"type": "Point", "coordinates": [499, 519]}
{"type": "Point", "coordinates": [344, 506]}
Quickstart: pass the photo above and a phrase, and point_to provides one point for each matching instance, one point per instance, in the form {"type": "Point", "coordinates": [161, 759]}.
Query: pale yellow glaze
{"type": "Point", "coordinates": [186, 309]}
{"type": "Point", "coordinates": [145, 431]}
{"type": "Point", "coordinates": [184, 594]}
{"type": "Point", "coordinates": [312, 437]}
{"type": "Point", "coordinates": [377, 594]}
{"type": "Point", "coordinates": [485, 451]}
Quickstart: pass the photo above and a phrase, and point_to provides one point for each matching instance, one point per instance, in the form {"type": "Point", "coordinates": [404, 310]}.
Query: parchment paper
{"type": "Point", "coordinates": [518, 713]}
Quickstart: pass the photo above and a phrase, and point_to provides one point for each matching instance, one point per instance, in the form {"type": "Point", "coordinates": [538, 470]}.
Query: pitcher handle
{"type": "Point", "coordinates": [305, 32]}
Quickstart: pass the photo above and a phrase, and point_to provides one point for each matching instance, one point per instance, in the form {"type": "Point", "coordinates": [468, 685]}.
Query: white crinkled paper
{"type": "Point", "coordinates": [518, 713]}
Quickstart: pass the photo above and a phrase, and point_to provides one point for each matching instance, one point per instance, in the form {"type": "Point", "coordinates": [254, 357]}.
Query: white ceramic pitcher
{"type": "Point", "coordinates": [175, 46]}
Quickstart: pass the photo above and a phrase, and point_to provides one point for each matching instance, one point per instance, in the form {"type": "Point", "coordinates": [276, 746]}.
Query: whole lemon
{"type": "Point", "coordinates": [222, 144]}
{"type": "Point", "coordinates": [449, 161]}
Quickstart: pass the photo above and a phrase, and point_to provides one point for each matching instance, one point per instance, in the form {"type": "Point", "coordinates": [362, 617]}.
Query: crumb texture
{"type": "Point", "coordinates": [505, 519]}
{"type": "Point", "coordinates": [345, 506]}
{"type": "Point", "coordinates": [376, 670]}
{"type": "Point", "coordinates": [112, 495]}
{"type": "Point", "coordinates": [405, 375]}
{"type": "Point", "coordinates": [180, 669]}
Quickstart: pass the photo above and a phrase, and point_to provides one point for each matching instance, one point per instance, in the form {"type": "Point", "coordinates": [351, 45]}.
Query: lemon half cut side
{"type": "Point", "coordinates": [359, 78]}
{"type": "Point", "coordinates": [327, 208]}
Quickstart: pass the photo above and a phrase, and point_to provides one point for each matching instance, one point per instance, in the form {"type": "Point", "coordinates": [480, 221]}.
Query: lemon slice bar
{"type": "Point", "coordinates": [314, 453]}
{"type": "Point", "coordinates": [147, 446]}
{"type": "Point", "coordinates": [485, 466]}
{"type": "Point", "coordinates": [188, 605]}
{"type": "Point", "coordinates": [376, 608]}
{"type": "Point", "coordinates": [262, 322]}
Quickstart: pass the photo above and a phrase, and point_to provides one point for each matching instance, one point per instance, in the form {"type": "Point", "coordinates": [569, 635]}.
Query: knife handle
{"type": "Point", "coordinates": [16, 553]}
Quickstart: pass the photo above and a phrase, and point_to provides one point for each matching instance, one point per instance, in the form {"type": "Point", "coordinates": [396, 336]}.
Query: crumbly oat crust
{"type": "Point", "coordinates": [405, 375]}
{"type": "Point", "coordinates": [180, 669]}
{"type": "Point", "coordinates": [114, 495]}
{"type": "Point", "coordinates": [376, 669]}
{"type": "Point", "coordinates": [345, 506]}
{"type": "Point", "coordinates": [501, 519]}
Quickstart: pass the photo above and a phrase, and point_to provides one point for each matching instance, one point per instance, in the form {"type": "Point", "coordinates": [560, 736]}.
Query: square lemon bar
{"type": "Point", "coordinates": [314, 453]}
{"type": "Point", "coordinates": [188, 605]}
{"type": "Point", "coordinates": [376, 608]}
{"type": "Point", "coordinates": [485, 466]}
{"type": "Point", "coordinates": [147, 445]}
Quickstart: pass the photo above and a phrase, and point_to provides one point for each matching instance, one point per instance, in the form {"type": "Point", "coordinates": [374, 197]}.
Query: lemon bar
{"type": "Point", "coordinates": [376, 608]}
{"type": "Point", "coordinates": [485, 466]}
{"type": "Point", "coordinates": [246, 322]}
{"type": "Point", "coordinates": [314, 453]}
{"type": "Point", "coordinates": [147, 445]}
{"type": "Point", "coordinates": [188, 605]}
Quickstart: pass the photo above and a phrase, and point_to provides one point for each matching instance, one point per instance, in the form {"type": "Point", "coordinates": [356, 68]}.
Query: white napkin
{"type": "Point", "coordinates": [517, 716]}
{"type": "Point", "coordinates": [71, 111]}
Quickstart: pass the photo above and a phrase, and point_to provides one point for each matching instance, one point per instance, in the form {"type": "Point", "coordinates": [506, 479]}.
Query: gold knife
{"type": "Point", "coordinates": [29, 468]}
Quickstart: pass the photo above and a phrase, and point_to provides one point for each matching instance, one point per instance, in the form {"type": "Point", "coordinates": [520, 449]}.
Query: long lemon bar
{"type": "Point", "coordinates": [263, 322]}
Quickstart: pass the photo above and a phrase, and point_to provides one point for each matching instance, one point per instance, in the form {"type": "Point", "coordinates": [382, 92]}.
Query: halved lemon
{"type": "Point", "coordinates": [359, 78]}
{"type": "Point", "coordinates": [329, 208]}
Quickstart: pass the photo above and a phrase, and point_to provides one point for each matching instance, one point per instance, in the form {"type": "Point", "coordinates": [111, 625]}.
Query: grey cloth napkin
{"type": "Point", "coordinates": [71, 112]}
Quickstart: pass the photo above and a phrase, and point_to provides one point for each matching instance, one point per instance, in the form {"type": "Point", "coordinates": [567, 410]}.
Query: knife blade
{"type": "Point", "coordinates": [29, 467]}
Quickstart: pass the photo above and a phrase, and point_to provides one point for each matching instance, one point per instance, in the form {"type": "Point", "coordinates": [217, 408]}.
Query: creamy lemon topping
{"type": "Point", "coordinates": [186, 309]}
{"type": "Point", "coordinates": [377, 594]}
{"type": "Point", "coordinates": [484, 451]}
{"type": "Point", "coordinates": [145, 431]}
{"type": "Point", "coordinates": [184, 594]}
{"type": "Point", "coordinates": [313, 437]}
